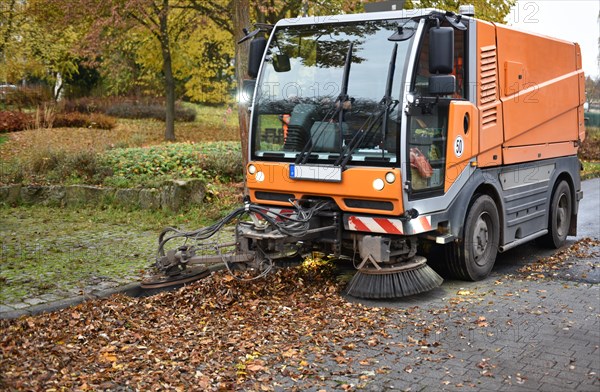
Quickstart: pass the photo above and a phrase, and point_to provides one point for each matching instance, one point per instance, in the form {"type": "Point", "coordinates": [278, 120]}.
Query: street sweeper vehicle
{"type": "Point", "coordinates": [386, 138]}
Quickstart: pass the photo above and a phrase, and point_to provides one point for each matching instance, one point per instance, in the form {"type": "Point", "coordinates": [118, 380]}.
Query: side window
{"type": "Point", "coordinates": [427, 147]}
{"type": "Point", "coordinates": [428, 125]}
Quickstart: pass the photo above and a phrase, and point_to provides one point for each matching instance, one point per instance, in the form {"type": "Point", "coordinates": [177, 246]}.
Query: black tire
{"type": "Point", "coordinates": [473, 258]}
{"type": "Point", "coordinates": [559, 216]}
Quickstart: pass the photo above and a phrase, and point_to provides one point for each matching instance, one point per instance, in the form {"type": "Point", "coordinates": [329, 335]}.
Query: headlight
{"type": "Point", "coordinates": [260, 176]}
{"type": "Point", "coordinates": [390, 177]}
{"type": "Point", "coordinates": [251, 169]}
{"type": "Point", "coordinates": [378, 184]}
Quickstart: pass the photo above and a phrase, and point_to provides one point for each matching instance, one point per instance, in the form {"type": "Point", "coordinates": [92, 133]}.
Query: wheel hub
{"type": "Point", "coordinates": [561, 216]}
{"type": "Point", "coordinates": [480, 238]}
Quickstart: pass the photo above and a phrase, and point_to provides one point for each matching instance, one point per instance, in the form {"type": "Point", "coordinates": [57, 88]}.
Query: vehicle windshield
{"type": "Point", "coordinates": [301, 82]}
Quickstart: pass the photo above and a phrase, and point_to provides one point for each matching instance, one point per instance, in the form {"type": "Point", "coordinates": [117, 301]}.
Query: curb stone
{"type": "Point", "coordinates": [131, 289]}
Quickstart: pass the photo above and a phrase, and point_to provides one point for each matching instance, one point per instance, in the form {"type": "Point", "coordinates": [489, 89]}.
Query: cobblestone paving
{"type": "Point", "coordinates": [514, 335]}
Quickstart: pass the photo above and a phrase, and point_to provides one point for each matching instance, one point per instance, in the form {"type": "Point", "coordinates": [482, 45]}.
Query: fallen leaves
{"type": "Point", "coordinates": [481, 322]}
{"type": "Point", "coordinates": [464, 292]}
{"type": "Point", "coordinates": [549, 266]}
{"type": "Point", "coordinates": [486, 367]}
{"type": "Point", "coordinates": [215, 334]}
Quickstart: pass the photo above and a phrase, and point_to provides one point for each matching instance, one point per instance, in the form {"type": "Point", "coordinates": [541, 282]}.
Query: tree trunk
{"type": "Point", "coordinates": [58, 88]}
{"type": "Point", "coordinates": [241, 19]}
{"type": "Point", "coordinates": [168, 73]}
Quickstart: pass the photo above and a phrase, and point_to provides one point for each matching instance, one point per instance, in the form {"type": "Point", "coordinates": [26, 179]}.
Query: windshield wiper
{"type": "Point", "coordinates": [337, 110]}
{"type": "Point", "coordinates": [386, 104]}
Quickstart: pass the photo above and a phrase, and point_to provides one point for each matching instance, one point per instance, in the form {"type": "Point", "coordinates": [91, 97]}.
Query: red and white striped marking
{"type": "Point", "coordinates": [387, 225]}
{"type": "Point", "coordinates": [420, 225]}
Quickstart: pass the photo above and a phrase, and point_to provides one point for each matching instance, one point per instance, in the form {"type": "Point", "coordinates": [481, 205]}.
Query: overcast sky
{"type": "Point", "coordinates": [570, 20]}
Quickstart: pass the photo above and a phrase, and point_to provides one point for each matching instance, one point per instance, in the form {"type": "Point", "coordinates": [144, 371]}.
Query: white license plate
{"type": "Point", "coordinates": [316, 173]}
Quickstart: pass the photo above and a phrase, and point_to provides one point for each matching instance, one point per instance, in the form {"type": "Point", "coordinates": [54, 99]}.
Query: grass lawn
{"type": "Point", "coordinates": [46, 250]}
{"type": "Point", "coordinates": [61, 251]}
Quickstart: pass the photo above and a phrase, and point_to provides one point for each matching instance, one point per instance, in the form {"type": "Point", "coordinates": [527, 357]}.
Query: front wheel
{"type": "Point", "coordinates": [559, 219]}
{"type": "Point", "coordinates": [474, 257]}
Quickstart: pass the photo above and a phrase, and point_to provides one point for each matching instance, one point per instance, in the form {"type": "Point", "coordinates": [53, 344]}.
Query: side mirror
{"type": "Point", "coordinates": [281, 63]}
{"type": "Point", "coordinates": [257, 50]}
{"type": "Point", "coordinates": [441, 50]}
{"type": "Point", "coordinates": [442, 84]}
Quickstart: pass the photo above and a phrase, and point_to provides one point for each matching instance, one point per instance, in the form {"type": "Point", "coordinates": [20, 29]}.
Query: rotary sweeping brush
{"type": "Point", "coordinates": [394, 281]}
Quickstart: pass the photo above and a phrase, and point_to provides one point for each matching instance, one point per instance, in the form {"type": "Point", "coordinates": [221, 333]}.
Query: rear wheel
{"type": "Point", "coordinates": [559, 219]}
{"type": "Point", "coordinates": [474, 257]}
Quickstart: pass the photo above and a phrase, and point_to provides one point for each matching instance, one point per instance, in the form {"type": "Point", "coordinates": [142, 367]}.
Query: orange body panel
{"type": "Point", "coordinates": [544, 113]}
{"type": "Point", "coordinates": [357, 183]}
{"type": "Point", "coordinates": [548, 132]}
{"type": "Point", "coordinates": [540, 151]}
{"type": "Point", "coordinates": [469, 138]}
{"type": "Point", "coordinates": [543, 58]}
{"type": "Point", "coordinates": [540, 93]}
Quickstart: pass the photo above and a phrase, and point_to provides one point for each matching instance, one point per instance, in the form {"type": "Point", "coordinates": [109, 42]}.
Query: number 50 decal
{"type": "Point", "coordinates": [459, 146]}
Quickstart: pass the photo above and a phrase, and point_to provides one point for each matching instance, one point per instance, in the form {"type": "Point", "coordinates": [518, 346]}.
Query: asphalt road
{"type": "Point", "coordinates": [588, 224]}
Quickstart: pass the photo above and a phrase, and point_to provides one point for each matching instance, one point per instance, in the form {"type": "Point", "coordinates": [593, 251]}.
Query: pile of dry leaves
{"type": "Point", "coordinates": [216, 334]}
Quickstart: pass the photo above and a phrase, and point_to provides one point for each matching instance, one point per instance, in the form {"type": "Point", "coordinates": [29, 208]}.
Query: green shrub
{"type": "Point", "coordinates": [13, 121]}
{"type": "Point", "coordinates": [44, 161]}
{"type": "Point", "coordinates": [12, 172]}
{"type": "Point", "coordinates": [180, 160]}
{"type": "Point", "coordinates": [219, 160]}
{"type": "Point", "coordinates": [59, 166]}
{"type": "Point", "coordinates": [222, 160]}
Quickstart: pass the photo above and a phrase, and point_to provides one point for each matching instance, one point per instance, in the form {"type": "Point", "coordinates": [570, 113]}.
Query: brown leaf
{"type": "Point", "coordinates": [290, 353]}
{"type": "Point", "coordinates": [107, 357]}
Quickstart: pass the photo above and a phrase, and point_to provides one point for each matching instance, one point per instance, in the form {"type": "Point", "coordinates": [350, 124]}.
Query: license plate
{"type": "Point", "coordinates": [316, 173]}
